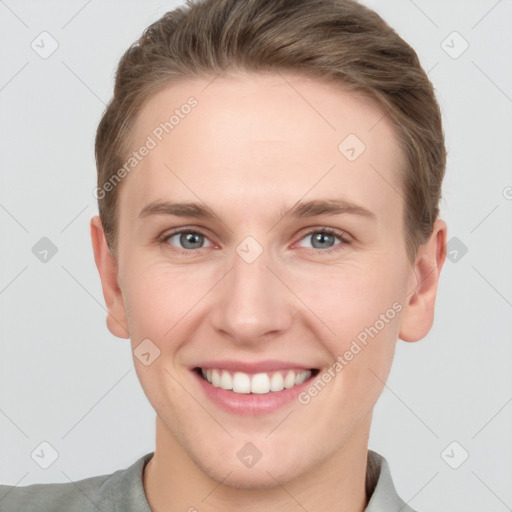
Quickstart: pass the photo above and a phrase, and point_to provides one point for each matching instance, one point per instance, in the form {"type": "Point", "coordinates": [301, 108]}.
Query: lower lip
{"type": "Point", "coordinates": [251, 404]}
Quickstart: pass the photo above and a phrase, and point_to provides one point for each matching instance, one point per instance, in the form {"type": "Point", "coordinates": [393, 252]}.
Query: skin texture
{"type": "Point", "coordinates": [254, 146]}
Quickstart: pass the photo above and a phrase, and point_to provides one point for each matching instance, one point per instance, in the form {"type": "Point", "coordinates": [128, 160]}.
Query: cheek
{"type": "Point", "coordinates": [355, 297]}
{"type": "Point", "coordinates": [361, 305]}
{"type": "Point", "coordinates": [158, 298]}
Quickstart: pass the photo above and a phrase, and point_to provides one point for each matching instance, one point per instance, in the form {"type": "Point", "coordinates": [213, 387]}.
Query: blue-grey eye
{"type": "Point", "coordinates": [320, 240]}
{"type": "Point", "coordinates": [188, 240]}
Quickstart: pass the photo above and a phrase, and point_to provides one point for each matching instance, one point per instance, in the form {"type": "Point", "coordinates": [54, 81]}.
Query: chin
{"type": "Point", "coordinates": [252, 479]}
{"type": "Point", "coordinates": [265, 474]}
{"type": "Point", "coordinates": [249, 483]}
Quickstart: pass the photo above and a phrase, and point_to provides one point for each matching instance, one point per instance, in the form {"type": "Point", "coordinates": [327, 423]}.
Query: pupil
{"type": "Point", "coordinates": [321, 238]}
{"type": "Point", "coordinates": [191, 240]}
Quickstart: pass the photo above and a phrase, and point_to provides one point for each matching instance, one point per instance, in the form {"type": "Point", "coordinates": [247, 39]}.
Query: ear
{"type": "Point", "coordinates": [107, 268]}
{"type": "Point", "coordinates": [418, 315]}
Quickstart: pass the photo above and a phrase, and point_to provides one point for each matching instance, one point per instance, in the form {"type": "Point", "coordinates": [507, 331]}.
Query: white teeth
{"type": "Point", "coordinates": [259, 383]}
{"type": "Point", "coordinates": [301, 377]}
{"type": "Point", "coordinates": [241, 383]}
{"type": "Point", "coordinates": [277, 382]}
{"type": "Point", "coordinates": [226, 382]}
{"type": "Point", "coordinates": [289, 380]}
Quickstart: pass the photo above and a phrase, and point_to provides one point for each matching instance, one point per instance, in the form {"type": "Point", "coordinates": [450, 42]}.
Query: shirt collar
{"type": "Point", "coordinates": [379, 484]}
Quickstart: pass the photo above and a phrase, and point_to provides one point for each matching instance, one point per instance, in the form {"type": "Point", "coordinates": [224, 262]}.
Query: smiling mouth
{"type": "Point", "coordinates": [255, 383]}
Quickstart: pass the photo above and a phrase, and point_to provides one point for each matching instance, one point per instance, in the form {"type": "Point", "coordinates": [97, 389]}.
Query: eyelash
{"type": "Point", "coordinates": [340, 235]}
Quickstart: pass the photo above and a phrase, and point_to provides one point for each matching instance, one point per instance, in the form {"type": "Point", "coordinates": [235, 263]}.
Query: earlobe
{"type": "Point", "coordinates": [418, 315]}
{"type": "Point", "coordinates": [107, 268]}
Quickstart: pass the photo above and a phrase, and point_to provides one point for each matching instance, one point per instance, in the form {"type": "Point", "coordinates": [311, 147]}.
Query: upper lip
{"type": "Point", "coordinates": [252, 367]}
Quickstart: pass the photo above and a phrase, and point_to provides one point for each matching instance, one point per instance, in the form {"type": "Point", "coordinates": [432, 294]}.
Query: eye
{"type": "Point", "coordinates": [325, 239]}
{"type": "Point", "coordinates": [187, 240]}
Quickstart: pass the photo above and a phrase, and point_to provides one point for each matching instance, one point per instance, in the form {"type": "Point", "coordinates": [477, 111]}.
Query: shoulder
{"type": "Point", "coordinates": [90, 494]}
{"type": "Point", "coordinates": [73, 496]}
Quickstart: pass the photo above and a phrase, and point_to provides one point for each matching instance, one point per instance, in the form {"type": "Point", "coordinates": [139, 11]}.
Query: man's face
{"type": "Point", "coordinates": [262, 285]}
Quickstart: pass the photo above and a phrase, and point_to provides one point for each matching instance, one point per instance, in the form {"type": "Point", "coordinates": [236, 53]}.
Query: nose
{"type": "Point", "coordinates": [252, 305]}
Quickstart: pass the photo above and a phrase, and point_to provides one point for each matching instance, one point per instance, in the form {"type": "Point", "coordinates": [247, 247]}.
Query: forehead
{"type": "Point", "coordinates": [279, 137]}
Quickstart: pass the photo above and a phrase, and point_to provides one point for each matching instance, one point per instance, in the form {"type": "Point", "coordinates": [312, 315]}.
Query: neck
{"type": "Point", "coordinates": [172, 481]}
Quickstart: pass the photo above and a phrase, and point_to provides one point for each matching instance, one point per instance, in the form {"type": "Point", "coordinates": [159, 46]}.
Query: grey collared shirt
{"type": "Point", "coordinates": [123, 491]}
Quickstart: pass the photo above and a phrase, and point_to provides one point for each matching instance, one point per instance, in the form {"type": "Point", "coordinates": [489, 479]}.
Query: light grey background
{"type": "Point", "coordinates": [67, 381]}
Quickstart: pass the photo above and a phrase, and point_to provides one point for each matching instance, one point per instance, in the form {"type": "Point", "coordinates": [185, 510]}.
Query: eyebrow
{"type": "Point", "coordinates": [300, 209]}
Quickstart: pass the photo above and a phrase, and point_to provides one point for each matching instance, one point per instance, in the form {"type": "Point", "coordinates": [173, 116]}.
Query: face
{"type": "Point", "coordinates": [261, 248]}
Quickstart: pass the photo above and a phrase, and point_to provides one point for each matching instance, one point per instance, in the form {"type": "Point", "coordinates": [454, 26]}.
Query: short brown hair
{"type": "Point", "coordinates": [340, 40]}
